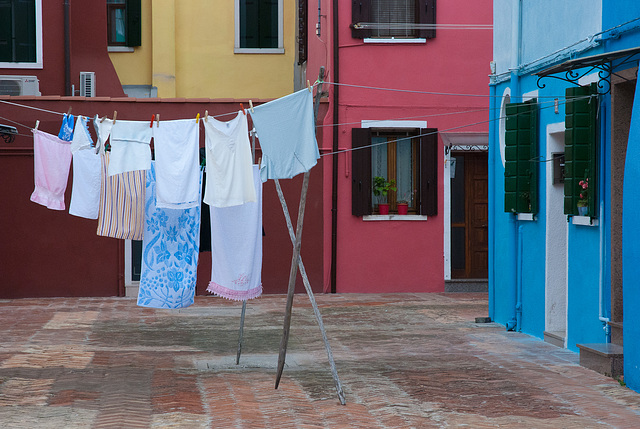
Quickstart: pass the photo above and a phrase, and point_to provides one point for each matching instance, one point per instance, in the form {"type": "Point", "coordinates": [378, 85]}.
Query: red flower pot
{"type": "Point", "coordinates": [383, 209]}
{"type": "Point", "coordinates": [403, 208]}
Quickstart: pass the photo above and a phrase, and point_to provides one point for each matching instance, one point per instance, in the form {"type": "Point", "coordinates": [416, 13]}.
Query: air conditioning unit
{"type": "Point", "coordinates": [19, 85]}
{"type": "Point", "coordinates": [87, 84]}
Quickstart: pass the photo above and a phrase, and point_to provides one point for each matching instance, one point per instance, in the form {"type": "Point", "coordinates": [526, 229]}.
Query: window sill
{"type": "Point", "coordinates": [526, 216]}
{"type": "Point", "coordinates": [258, 50]}
{"type": "Point", "coordinates": [584, 221]}
{"type": "Point", "coordinates": [120, 49]}
{"type": "Point", "coordinates": [394, 217]}
{"type": "Point", "coordinates": [36, 65]}
{"type": "Point", "coordinates": [393, 40]}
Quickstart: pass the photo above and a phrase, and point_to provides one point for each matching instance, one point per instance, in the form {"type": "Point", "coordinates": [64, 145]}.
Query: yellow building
{"type": "Point", "coordinates": [204, 48]}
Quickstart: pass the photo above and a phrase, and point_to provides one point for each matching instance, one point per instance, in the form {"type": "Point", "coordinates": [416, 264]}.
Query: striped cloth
{"type": "Point", "coordinates": [121, 204]}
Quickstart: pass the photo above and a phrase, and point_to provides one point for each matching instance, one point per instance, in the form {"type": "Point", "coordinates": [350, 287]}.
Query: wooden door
{"type": "Point", "coordinates": [469, 216]}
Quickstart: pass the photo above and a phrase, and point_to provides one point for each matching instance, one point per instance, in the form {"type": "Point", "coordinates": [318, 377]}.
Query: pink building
{"type": "Point", "coordinates": [429, 135]}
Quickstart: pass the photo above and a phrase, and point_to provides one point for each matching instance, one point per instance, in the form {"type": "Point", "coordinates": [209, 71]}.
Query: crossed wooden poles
{"type": "Point", "coordinates": [296, 264]}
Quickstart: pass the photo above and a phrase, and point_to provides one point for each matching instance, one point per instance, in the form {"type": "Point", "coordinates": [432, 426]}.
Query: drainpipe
{"type": "Point", "coordinates": [67, 51]}
{"type": "Point", "coordinates": [516, 38]}
{"type": "Point", "coordinates": [334, 157]}
{"type": "Point", "coordinates": [602, 310]}
{"type": "Point", "coordinates": [493, 150]}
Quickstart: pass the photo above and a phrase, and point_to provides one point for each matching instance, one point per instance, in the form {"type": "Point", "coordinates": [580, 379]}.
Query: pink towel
{"type": "Point", "coordinates": [51, 164]}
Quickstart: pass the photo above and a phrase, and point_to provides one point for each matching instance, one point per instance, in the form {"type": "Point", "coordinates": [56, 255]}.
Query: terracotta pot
{"type": "Point", "coordinates": [403, 208]}
{"type": "Point", "coordinates": [383, 209]}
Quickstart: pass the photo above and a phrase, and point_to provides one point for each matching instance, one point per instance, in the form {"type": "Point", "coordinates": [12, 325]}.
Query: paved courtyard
{"type": "Point", "coordinates": [404, 360]}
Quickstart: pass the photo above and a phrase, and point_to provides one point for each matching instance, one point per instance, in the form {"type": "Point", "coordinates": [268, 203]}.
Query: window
{"type": "Point", "coordinates": [20, 33]}
{"type": "Point", "coordinates": [521, 158]}
{"type": "Point", "coordinates": [124, 22]}
{"type": "Point", "coordinates": [259, 26]}
{"type": "Point", "coordinates": [580, 148]}
{"type": "Point", "coordinates": [409, 157]}
{"type": "Point", "coordinates": [393, 19]}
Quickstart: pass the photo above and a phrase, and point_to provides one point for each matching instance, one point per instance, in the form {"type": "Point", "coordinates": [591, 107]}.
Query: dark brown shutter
{"type": "Point", "coordinates": [360, 12]}
{"type": "Point", "coordinates": [426, 14]}
{"type": "Point", "coordinates": [361, 172]}
{"type": "Point", "coordinates": [429, 171]}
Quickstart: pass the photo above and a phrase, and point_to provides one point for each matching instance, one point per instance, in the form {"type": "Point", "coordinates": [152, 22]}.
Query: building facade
{"type": "Point", "coordinates": [407, 101]}
{"type": "Point", "coordinates": [560, 155]}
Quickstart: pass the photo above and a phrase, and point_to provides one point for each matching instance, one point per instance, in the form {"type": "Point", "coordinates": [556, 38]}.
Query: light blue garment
{"type": "Point", "coordinates": [169, 252]}
{"type": "Point", "coordinates": [287, 136]}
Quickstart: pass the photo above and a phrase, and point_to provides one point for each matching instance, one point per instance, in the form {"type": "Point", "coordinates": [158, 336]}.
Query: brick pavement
{"type": "Point", "coordinates": [405, 360]}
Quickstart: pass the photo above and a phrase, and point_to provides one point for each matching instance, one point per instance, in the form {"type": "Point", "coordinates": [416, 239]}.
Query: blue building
{"type": "Point", "coordinates": [564, 172]}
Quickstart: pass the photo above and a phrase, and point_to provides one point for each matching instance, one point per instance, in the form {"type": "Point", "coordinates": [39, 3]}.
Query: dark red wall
{"type": "Point", "coordinates": [51, 253]}
{"type": "Point", "coordinates": [88, 42]}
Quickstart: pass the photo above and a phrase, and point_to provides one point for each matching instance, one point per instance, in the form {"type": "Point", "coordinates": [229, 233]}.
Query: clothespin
{"type": "Point", "coordinates": [153, 118]}
{"type": "Point", "coordinates": [115, 115]}
{"type": "Point", "coordinates": [309, 86]}
{"type": "Point", "coordinates": [206, 115]}
{"type": "Point", "coordinates": [251, 106]}
{"type": "Point", "coordinates": [69, 111]}
{"type": "Point", "coordinates": [37, 124]}
{"type": "Point", "coordinates": [198, 118]}
{"type": "Point", "coordinates": [243, 111]}
{"type": "Point", "coordinates": [103, 118]}
{"type": "Point", "coordinates": [158, 120]}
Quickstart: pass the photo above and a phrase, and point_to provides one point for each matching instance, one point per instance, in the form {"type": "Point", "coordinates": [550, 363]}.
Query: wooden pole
{"type": "Point", "coordinates": [244, 310]}
{"type": "Point", "coordinates": [296, 252]}
{"type": "Point", "coordinates": [292, 278]}
{"type": "Point", "coordinates": [307, 286]}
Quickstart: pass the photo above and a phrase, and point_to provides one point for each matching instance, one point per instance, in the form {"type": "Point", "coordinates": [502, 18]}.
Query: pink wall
{"type": "Point", "coordinates": [399, 256]}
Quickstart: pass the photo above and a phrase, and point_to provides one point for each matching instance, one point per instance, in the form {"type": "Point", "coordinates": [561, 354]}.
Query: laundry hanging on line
{"type": "Point", "coordinates": [169, 252]}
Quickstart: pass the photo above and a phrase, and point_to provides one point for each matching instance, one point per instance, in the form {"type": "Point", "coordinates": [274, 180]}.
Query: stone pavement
{"type": "Point", "coordinates": [405, 360]}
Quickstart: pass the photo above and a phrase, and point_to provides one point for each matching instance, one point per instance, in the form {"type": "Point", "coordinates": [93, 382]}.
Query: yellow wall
{"type": "Point", "coordinates": [188, 51]}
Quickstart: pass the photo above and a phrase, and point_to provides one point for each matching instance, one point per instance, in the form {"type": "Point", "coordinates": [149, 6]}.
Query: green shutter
{"type": "Point", "coordinates": [259, 23]}
{"type": "Point", "coordinates": [18, 31]}
{"type": "Point", "coordinates": [134, 22]}
{"type": "Point", "coordinates": [6, 28]}
{"type": "Point", "coordinates": [580, 146]}
{"type": "Point", "coordinates": [521, 158]}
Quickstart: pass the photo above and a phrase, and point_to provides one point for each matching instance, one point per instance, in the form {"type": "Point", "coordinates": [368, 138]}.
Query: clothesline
{"type": "Point", "coordinates": [541, 104]}
{"type": "Point", "coordinates": [323, 125]}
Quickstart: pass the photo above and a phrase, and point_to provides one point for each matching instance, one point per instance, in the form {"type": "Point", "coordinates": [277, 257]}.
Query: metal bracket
{"type": "Point", "coordinates": [8, 133]}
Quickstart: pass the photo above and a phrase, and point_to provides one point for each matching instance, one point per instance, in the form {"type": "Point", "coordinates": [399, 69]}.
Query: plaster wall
{"type": "Point", "coordinates": [407, 256]}
{"type": "Point", "coordinates": [88, 49]}
{"type": "Point", "coordinates": [188, 51]}
{"type": "Point", "coordinates": [543, 28]}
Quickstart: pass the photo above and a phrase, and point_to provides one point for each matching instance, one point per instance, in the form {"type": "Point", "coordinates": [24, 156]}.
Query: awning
{"type": "Point", "coordinates": [594, 61]}
{"type": "Point", "coordinates": [604, 63]}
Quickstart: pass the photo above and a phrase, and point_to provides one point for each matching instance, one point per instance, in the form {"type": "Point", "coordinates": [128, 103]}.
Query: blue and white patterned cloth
{"type": "Point", "coordinates": [169, 253]}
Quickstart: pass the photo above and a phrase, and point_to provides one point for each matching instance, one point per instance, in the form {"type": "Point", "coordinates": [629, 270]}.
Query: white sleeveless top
{"type": "Point", "coordinates": [229, 164]}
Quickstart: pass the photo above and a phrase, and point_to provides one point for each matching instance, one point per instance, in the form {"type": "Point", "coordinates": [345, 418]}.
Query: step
{"type": "Point", "coordinates": [605, 358]}
{"type": "Point", "coordinates": [466, 285]}
{"type": "Point", "coordinates": [556, 338]}
{"type": "Point", "coordinates": [616, 332]}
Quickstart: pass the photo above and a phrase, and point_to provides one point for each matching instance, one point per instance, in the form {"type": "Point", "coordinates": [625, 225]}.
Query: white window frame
{"type": "Point", "coordinates": [279, 50]}
{"type": "Point", "coordinates": [38, 63]}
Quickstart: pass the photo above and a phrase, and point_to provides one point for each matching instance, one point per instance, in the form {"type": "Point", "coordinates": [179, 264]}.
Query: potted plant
{"type": "Point", "coordinates": [381, 188]}
{"type": "Point", "coordinates": [583, 202]}
{"type": "Point", "coordinates": [404, 203]}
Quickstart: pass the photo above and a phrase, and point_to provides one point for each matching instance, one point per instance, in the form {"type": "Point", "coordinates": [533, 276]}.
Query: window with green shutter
{"type": "Point", "coordinates": [521, 157]}
{"type": "Point", "coordinates": [580, 150]}
{"type": "Point", "coordinates": [18, 31]}
{"type": "Point", "coordinates": [258, 23]}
